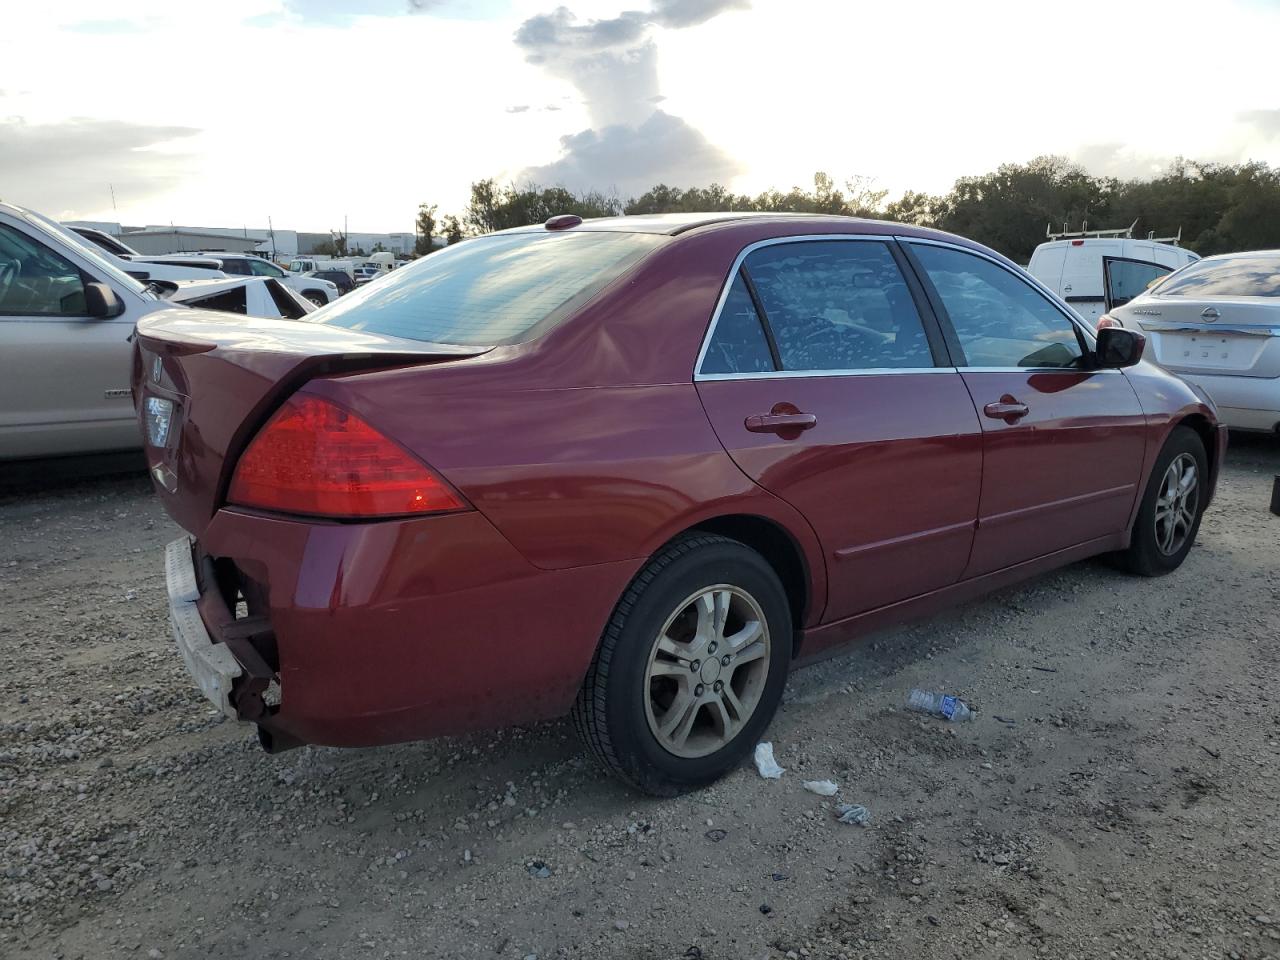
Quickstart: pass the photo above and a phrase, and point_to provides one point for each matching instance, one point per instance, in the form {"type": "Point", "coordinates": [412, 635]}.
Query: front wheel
{"type": "Point", "coordinates": [316, 297]}
{"type": "Point", "coordinates": [1172, 506]}
{"type": "Point", "coordinates": [690, 669]}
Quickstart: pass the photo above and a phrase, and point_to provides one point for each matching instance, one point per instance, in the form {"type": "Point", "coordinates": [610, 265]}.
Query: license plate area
{"type": "Point", "coordinates": [1209, 351]}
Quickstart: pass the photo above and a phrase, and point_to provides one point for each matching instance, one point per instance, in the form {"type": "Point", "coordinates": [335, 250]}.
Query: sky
{"type": "Point", "coordinates": [312, 111]}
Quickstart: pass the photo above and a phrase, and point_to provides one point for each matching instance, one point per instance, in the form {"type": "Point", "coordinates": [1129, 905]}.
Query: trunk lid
{"type": "Point", "coordinates": [1238, 336]}
{"type": "Point", "coordinates": [225, 374]}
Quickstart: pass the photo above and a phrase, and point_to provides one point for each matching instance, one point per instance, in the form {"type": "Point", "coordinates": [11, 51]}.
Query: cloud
{"type": "Point", "coordinates": [1119, 160]}
{"type": "Point", "coordinates": [521, 108]}
{"type": "Point", "coordinates": [47, 166]}
{"type": "Point", "coordinates": [550, 36]}
{"type": "Point", "coordinates": [613, 63]}
{"type": "Point", "coordinates": [691, 13]}
{"type": "Point", "coordinates": [630, 159]}
{"type": "Point", "coordinates": [344, 10]}
{"type": "Point", "coordinates": [1266, 122]}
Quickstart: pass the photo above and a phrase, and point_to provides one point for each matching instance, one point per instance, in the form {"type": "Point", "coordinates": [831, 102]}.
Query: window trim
{"type": "Point", "coordinates": [890, 242]}
{"type": "Point", "coordinates": [1106, 277]}
{"type": "Point", "coordinates": [1086, 337]}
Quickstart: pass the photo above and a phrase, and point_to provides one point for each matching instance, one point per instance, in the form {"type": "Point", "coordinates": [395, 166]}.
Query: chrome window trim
{"type": "Point", "coordinates": [1074, 370]}
{"type": "Point", "coordinates": [817, 374]}
{"type": "Point", "coordinates": [698, 375]}
{"type": "Point", "coordinates": [1054, 300]}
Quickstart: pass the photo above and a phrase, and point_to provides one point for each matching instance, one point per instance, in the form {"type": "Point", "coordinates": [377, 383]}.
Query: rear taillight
{"type": "Point", "coordinates": [313, 457]}
{"type": "Point", "coordinates": [1107, 320]}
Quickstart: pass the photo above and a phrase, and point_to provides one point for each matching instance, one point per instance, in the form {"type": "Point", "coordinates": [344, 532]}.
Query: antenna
{"type": "Point", "coordinates": [112, 188]}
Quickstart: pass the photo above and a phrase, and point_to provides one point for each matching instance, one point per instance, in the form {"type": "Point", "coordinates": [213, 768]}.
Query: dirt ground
{"type": "Point", "coordinates": [1118, 794]}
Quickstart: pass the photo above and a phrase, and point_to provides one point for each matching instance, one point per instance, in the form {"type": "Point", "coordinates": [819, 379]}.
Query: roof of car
{"type": "Point", "coordinates": [671, 224]}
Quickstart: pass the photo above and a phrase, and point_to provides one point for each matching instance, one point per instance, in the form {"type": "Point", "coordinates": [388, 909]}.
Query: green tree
{"type": "Point", "coordinates": [425, 228]}
{"type": "Point", "coordinates": [452, 229]}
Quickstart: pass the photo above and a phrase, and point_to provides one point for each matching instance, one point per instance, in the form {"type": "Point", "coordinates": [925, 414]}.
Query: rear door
{"type": "Point", "coordinates": [64, 376]}
{"type": "Point", "coordinates": [1063, 443]}
{"type": "Point", "coordinates": [826, 380]}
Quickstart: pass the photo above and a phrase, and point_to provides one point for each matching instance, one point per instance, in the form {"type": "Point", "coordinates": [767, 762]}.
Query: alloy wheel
{"type": "Point", "coordinates": [707, 670]}
{"type": "Point", "coordinates": [1176, 504]}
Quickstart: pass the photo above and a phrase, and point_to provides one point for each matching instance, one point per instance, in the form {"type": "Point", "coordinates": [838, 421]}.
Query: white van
{"type": "Point", "coordinates": [1100, 269]}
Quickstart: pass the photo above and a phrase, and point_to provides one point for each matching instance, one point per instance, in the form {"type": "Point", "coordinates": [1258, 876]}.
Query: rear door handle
{"type": "Point", "coordinates": [780, 422]}
{"type": "Point", "coordinates": [1007, 408]}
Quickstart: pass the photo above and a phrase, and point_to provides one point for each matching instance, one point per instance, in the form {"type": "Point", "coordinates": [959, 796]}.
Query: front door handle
{"type": "Point", "coordinates": [780, 422]}
{"type": "Point", "coordinates": [1008, 408]}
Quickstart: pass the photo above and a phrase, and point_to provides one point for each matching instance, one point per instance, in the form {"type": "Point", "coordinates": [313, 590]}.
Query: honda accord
{"type": "Point", "coordinates": [635, 470]}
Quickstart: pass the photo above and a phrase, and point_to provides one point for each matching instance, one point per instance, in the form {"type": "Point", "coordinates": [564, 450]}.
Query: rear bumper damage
{"type": "Point", "coordinates": [377, 633]}
{"type": "Point", "coordinates": [226, 656]}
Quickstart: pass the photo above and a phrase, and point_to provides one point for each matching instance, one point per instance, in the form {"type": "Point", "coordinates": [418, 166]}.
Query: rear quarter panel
{"type": "Point", "coordinates": [574, 477]}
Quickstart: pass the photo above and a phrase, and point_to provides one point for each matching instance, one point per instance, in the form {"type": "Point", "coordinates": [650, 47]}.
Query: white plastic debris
{"type": "Point", "coordinates": [853, 813]}
{"type": "Point", "coordinates": [765, 763]}
{"type": "Point", "coordinates": [823, 788]}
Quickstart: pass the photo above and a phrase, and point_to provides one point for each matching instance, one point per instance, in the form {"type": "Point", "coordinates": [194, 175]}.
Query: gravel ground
{"type": "Point", "coordinates": [1117, 794]}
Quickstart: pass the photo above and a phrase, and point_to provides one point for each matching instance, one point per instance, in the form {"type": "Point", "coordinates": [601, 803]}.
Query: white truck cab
{"type": "Point", "coordinates": [1095, 270]}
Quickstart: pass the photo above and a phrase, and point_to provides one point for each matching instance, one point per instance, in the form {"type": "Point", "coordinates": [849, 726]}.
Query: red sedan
{"type": "Point", "coordinates": [635, 470]}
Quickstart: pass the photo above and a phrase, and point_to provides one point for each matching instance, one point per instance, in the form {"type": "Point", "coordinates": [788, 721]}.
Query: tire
{"type": "Point", "coordinates": [636, 686]}
{"type": "Point", "coordinates": [1153, 552]}
{"type": "Point", "coordinates": [316, 297]}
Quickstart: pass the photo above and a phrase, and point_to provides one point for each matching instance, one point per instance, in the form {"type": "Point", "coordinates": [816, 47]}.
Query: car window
{"type": "Point", "coordinates": [838, 305]}
{"type": "Point", "coordinates": [738, 344]}
{"type": "Point", "coordinates": [229, 301]}
{"type": "Point", "coordinates": [264, 269]}
{"type": "Point", "coordinates": [1251, 275]}
{"type": "Point", "coordinates": [35, 280]}
{"type": "Point", "coordinates": [1128, 278]}
{"type": "Point", "coordinates": [999, 318]}
{"type": "Point", "coordinates": [499, 289]}
{"type": "Point", "coordinates": [230, 265]}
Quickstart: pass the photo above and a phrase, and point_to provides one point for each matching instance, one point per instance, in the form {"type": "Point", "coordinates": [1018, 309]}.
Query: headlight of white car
{"type": "Point", "coordinates": [159, 416]}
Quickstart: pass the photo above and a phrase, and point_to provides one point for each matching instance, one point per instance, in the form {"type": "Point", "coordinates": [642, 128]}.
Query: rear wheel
{"type": "Point", "coordinates": [690, 669]}
{"type": "Point", "coordinates": [1172, 505]}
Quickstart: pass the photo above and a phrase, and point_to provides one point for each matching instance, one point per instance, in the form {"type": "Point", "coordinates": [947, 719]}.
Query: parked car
{"type": "Point", "coordinates": [311, 266]}
{"type": "Point", "coordinates": [124, 257]}
{"type": "Point", "coordinates": [636, 469]}
{"type": "Point", "coordinates": [376, 265]}
{"type": "Point", "coordinates": [1216, 323]}
{"type": "Point", "coordinates": [339, 278]}
{"type": "Point", "coordinates": [1095, 273]}
{"type": "Point", "coordinates": [319, 291]}
{"type": "Point", "coordinates": [67, 312]}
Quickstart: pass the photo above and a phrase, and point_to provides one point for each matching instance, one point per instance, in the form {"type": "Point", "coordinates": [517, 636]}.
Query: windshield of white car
{"type": "Point", "coordinates": [89, 251]}
{"type": "Point", "coordinates": [1248, 275]}
{"type": "Point", "coordinates": [499, 289]}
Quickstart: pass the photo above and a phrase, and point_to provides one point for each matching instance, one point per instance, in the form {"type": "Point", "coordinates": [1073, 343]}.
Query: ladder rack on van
{"type": "Point", "coordinates": [1120, 233]}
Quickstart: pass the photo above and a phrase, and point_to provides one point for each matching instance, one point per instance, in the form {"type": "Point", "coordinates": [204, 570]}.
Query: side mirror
{"type": "Point", "coordinates": [101, 301]}
{"type": "Point", "coordinates": [1118, 347]}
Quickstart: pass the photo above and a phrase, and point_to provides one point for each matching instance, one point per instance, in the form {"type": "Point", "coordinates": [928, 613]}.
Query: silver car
{"type": "Point", "coordinates": [66, 317]}
{"type": "Point", "coordinates": [1216, 323]}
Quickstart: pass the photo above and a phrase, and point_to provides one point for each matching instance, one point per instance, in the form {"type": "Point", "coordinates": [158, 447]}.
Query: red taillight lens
{"type": "Point", "coordinates": [314, 457]}
{"type": "Point", "coordinates": [1107, 320]}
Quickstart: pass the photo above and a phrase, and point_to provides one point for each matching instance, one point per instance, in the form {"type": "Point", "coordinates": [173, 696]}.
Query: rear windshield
{"type": "Point", "coordinates": [492, 290]}
{"type": "Point", "coordinates": [1255, 275]}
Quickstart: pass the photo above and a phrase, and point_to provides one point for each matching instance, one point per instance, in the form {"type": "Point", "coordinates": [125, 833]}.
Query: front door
{"type": "Point", "coordinates": [64, 376]}
{"type": "Point", "coordinates": [1063, 442]}
{"type": "Point", "coordinates": [820, 379]}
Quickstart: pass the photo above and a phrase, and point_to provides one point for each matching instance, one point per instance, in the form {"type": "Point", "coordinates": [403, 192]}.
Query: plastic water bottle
{"type": "Point", "coordinates": [938, 705]}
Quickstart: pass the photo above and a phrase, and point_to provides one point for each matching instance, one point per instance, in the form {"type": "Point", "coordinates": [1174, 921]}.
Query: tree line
{"type": "Point", "coordinates": [1217, 207]}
